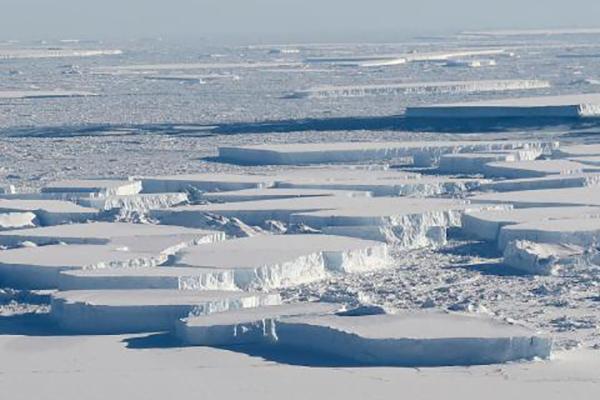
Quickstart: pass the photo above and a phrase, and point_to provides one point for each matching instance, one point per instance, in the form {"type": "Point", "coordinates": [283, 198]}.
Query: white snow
{"type": "Point", "coordinates": [121, 311]}
{"type": "Point", "coordinates": [389, 89]}
{"type": "Point", "coordinates": [413, 339]}
{"type": "Point", "coordinates": [565, 106]}
{"type": "Point", "coordinates": [284, 260]}
{"type": "Point", "coordinates": [572, 196]}
{"type": "Point", "coordinates": [423, 153]}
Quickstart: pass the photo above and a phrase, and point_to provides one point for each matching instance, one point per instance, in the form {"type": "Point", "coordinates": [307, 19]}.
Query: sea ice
{"type": "Point", "coordinates": [538, 258]}
{"type": "Point", "coordinates": [93, 187]}
{"type": "Point", "coordinates": [50, 212]}
{"type": "Point", "coordinates": [390, 89]}
{"type": "Point", "coordinates": [205, 182]}
{"type": "Point", "coordinates": [566, 106]}
{"type": "Point", "coordinates": [271, 261]}
{"type": "Point", "coordinates": [415, 339]}
{"type": "Point", "coordinates": [246, 326]}
{"type": "Point", "coordinates": [423, 153]}
{"type": "Point", "coordinates": [123, 311]}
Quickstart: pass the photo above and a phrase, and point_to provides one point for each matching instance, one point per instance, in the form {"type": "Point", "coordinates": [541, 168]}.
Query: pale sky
{"type": "Point", "coordinates": [282, 19]}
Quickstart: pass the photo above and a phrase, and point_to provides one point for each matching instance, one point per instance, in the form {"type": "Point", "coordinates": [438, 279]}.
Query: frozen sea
{"type": "Point", "coordinates": [158, 107]}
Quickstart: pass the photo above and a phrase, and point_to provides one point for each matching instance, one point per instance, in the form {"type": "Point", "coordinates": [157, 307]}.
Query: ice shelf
{"type": "Point", "coordinates": [123, 311]}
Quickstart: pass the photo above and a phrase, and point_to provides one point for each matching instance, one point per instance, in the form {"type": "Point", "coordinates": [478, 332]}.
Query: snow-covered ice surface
{"type": "Point", "coordinates": [495, 218]}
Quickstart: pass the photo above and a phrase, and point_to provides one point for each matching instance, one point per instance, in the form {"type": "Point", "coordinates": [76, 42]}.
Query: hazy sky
{"type": "Point", "coordinates": [282, 19]}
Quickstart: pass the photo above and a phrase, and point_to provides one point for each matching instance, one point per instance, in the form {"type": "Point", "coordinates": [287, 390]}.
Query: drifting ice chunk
{"type": "Point", "coordinates": [378, 182]}
{"type": "Point", "coordinates": [359, 61]}
{"type": "Point", "coordinates": [152, 239]}
{"type": "Point", "coordinates": [14, 220]}
{"type": "Point", "coordinates": [547, 182]}
{"type": "Point", "coordinates": [276, 193]}
{"type": "Point", "coordinates": [538, 258]}
{"type": "Point", "coordinates": [50, 212]}
{"type": "Point", "coordinates": [584, 196]}
{"type": "Point", "coordinates": [40, 267]}
{"type": "Point", "coordinates": [486, 224]}
{"type": "Point", "coordinates": [567, 106]}
{"type": "Point", "coordinates": [580, 150]}
{"type": "Point", "coordinates": [204, 182]}
{"type": "Point", "coordinates": [125, 311]}
{"type": "Point", "coordinates": [95, 187]}
{"type": "Point", "coordinates": [401, 220]}
{"type": "Point", "coordinates": [413, 339]}
{"type": "Point", "coordinates": [533, 169]}
{"type": "Point", "coordinates": [138, 202]}
{"type": "Point", "coordinates": [180, 278]}
{"type": "Point", "coordinates": [476, 163]}
{"type": "Point", "coordinates": [418, 87]}
{"type": "Point", "coordinates": [12, 53]}
{"type": "Point", "coordinates": [284, 260]}
{"type": "Point", "coordinates": [246, 326]}
{"type": "Point", "coordinates": [581, 231]}
{"type": "Point", "coordinates": [473, 64]}
{"type": "Point", "coordinates": [423, 153]}
{"type": "Point", "coordinates": [42, 94]}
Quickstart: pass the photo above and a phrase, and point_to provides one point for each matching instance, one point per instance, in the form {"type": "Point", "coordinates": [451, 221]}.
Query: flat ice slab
{"type": "Point", "coordinates": [486, 224]}
{"type": "Point", "coordinates": [533, 169]}
{"type": "Point", "coordinates": [42, 94]}
{"type": "Point", "coordinates": [477, 163]}
{"type": "Point", "coordinates": [423, 153]}
{"type": "Point", "coordinates": [390, 89]}
{"type": "Point", "coordinates": [576, 196]}
{"type": "Point", "coordinates": [284, 260]}
{"type": "Point", "coordinates": [50, 212]}
{"type": "Point", "coordinates": [277, 193]}
{"type": "Point", "coordinates": [137, 202]}
{"type": "Point", "coordinates": [566, 106]}
{"type": "Point", "coordinates": [538, 258]}
{"type": "Point", "coordinates": [409, 222]}
{"type": "Point", "coordinates": [135, 237]}
{"type": "Point", "coordinates": [99, 187]}
{"type": "Point", "coordinates": [40, 267]}
{"type": "Point", "coordinates": [123, 311]}
{"type": "Point", "coordinates": [546, 182]}
{"type": "Point", "coordinates": [579, 231]}
{"type": "Point", "coordinates": [378, 182]}
{"type": "Point", "coordinates": [413, 339]}
{"type": "Point", "coordinates": [167, 277]}
{"type": "Point", "coordinates": [245, 326]}
{"type": "Point", "coordinates": [205, 182]}
{"type": "Point", "coordinates": [14, 220]}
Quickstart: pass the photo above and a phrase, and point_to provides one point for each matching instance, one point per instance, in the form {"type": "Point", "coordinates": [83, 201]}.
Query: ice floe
{"type": "Point", "coordinates": [413, 339]}
{"type": "Point", "coordinates": [566, 106]}
{"type": "Point", "coordinates": [42, 94]}
{"type": "Point", "coordinates": [389, 89]}
{"type": "Point", "coordinates": [95, 187]}
{"type": "Point", "coordinates": [284, 260]}
{"type": "Point", "coordinates": [122, 311]}
{"type": "Point", "coordinates": [205, 182]}
{"type": "Point", "coordinates": [50, 212]}
{"type": "Point", "coordinates": [423, 153]}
